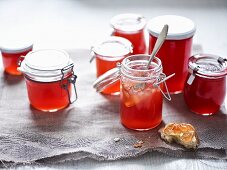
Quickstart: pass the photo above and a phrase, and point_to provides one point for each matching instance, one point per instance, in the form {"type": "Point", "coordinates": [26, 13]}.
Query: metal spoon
{"type": "Point", "coordinates": [158, 44]}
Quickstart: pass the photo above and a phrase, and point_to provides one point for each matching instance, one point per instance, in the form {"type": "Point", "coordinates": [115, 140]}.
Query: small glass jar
{"type": "Point", "coordinates": [131, 27]}
{"type": "Point", "coordinates": [205, 88]}
{"type": "Point", "coordinates": [49, 78]}
{"type": "Point", "coordinates": [107, 54]}
{"type": "Point", "coordinates": [176, 49]}
{"type": "Point", "coordinates": [11, 52]}
{"type": "Point", "coordinates": [141, 91]}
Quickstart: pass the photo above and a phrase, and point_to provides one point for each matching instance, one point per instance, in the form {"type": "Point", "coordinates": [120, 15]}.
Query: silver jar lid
{"type": "Point", "coordinates": [46, 65]}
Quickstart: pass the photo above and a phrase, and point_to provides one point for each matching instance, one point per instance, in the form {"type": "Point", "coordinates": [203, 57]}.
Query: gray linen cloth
{"type": "Point", "coordinates": [89, 126]}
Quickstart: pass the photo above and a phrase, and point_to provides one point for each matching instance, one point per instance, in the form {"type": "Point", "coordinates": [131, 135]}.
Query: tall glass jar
{"type": "Point", "coordinates": [141, 91]}
{"type": "Point", "coordinates": [49, 78]}
{"type": "Point", "coordinates": [107, 54]}
{"type": "Point", "coordinates": [205, 88]}
{"type": "Point", "coordinates": [131, 27]}
{"type": "Point", "coordinates": [176, 49]}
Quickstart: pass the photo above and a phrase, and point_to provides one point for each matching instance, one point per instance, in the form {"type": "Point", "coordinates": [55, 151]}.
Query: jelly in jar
{"type": "Point", "coordinates": [141, 94]}
{"type": "Point", "coordinates": [108, 53]}
{"type": "Point", "coordinates": [176, 49]}
{"type": "Point", "coordinates": [205, 87]}
{"type": "Point", "coordinates": [131, 26]}
{"type": "Point", "coordinates": [50, 79]}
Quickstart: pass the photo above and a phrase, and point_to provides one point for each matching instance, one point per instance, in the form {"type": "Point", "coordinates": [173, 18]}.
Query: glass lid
{"type": "Point", "coordinates": [113, 47]}
{"type": "Point", "coordinates": [208, 65]}
{"type": "Point", "coordinates": [128, 22]}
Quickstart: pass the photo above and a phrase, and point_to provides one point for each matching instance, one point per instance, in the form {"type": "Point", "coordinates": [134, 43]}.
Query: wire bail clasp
{"type": "Point", "coordinates": [92, 54]}
{"type": "Point", "coordinates": [162, 79]}
{"type": "Point", "coordinates": [70, 80]}
{"type": "Point", "coordinates": [19, 60]}
{"type": "Point", "coordinates": [221, 60]}
{"type": "Point", "coordinates": [193, 71]}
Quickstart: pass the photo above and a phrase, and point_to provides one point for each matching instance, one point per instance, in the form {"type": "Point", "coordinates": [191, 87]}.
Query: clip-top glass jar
{"type": "Point", "coordinates": [205, 87]}
{"type": "Point", "coordinates": [176, 49]}
{"type": "Point", "coordinates": [131, 27]}
{"type": "Point", "coordinates": [11, 51]}
{"type": "Point", "coordinates": [107, 54]}
{"type": "Point", "coordinates": [141, 91]}
{"type": "Point", "coordinates": [49, 78]}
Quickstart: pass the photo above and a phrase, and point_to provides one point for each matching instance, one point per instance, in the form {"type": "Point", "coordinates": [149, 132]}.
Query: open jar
{"type": "Point", "coordinates": [50, 79]}
{"type": "Point", "coordinates": [131, 27]}
{"type": "Point", "coordinates": [11, 52]}
{"type": "Point", "coordinates": [205, 88]}
{"type": "Point", "coordinates": [141, 91]}
{"type": "Point", "coordinates": [107, 54]}
{"type": "Point", "coordinates": [176, 49]}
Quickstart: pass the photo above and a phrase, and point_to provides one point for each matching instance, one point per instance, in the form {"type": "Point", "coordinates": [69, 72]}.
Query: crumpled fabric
{"type": "Point", "coordinates": [89, 126]}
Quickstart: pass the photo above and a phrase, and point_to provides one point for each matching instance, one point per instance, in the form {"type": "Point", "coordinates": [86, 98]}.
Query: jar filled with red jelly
{"type": "Point", "coordinates": [11, 51]}
{"type": "Point", "coordinates": [50, 79]}
{"type": "Point", "coordinates": [205, 87]}
{"type": "Point", "coordinates": [176, 49]}
{"type": "Point", "coordinates": [131, 27]}
{"type": "Point", "coordinates": [107, 54]}
{"type": "Point", "coordinates": [141, 94]}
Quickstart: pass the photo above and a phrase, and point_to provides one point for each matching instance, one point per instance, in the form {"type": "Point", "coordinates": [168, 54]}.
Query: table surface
{"type": "Point", "coordinates": [76, 24]}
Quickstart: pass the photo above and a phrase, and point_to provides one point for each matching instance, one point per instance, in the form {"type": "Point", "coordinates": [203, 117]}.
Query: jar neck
{"type": "Point", "coordinates": [49, 79]}
{"type": "Point", "coordinates": [122, 31]}
{"type": "Point", "coordinates": [135, 67]}
{"type": "Point", "coordinates": [112, 58]}
{"type": "Point", "coordinates": [46, 75]}
{"type": "Point", "coordinates": [209, 77]}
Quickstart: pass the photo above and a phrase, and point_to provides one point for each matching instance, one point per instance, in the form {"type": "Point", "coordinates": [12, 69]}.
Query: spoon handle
{"type": "Point", "coordinates": [159, 42]}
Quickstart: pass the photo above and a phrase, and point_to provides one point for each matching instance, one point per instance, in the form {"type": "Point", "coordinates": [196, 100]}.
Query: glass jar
{"type": "Point", "coordinates": [49, 78]}
{"type": "Point", "coordinates": [11, 51]}
{"type": "Point", "coordinates": [176, 49]}
{"type": "Point", "coordinates": [131, 27]}
{"type": "Point", "coordinates": [141, 91]}
{"type": "Point", "coordinates": [107, 54]}
{"type": "Point", "coordinates": [205, 88]}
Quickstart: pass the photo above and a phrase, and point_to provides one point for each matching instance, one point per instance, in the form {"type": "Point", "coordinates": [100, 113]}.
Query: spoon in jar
{"type": "Point", "coordinates": [158, 44]}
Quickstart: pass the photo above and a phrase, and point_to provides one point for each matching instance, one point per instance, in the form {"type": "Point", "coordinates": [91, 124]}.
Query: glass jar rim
{"type": "Point", "coordinates": [38, 68]}
{"type": "Point", "coordinates": [125, 68]}
{"type": "Point", "coordinates": [208, 65]}
{"type": "Point", "coordinates": [125, 44]}
{"type": "Point", "coordinates": [119, 23]}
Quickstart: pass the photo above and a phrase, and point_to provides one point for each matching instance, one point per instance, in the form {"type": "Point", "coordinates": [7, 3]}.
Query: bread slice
{"type": "Point", "coordinates": [181, 133]}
